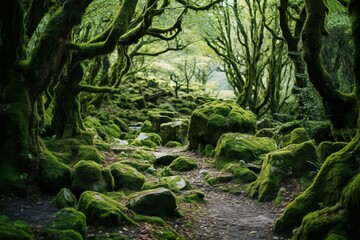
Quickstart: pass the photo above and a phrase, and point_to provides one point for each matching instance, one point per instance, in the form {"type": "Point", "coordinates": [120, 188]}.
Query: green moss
{"type": "Point", "coordinates": [166, 160]}
{"type": "Point", "coordinates": [351, 195]}
{"type": "Point", "coordinates": [90, 175]}
{"type": "Point", "coordinates": [241, 174]}
{"type": "Point", "coordinates": [327, 148]}
{"type": "Point", "coordinates": [65, 150]}
{"type": "Point", "coordinates": [62, 234]}
{"type": "Point", "coordinates": [101, 210]}
{"type": "Point", "coordinates": [68, 219]}
{"type": "Point", "coordinates": [165, 171]}
{"type": "Point", "coordinates": [147, 203]}
{"type": "Point", "coordinates": [183, 163]}
{"type": "Point", "coordinates": [168, 234]}
{"type": "Point", "coordinates": [234, 147]}
{"type": "Point", "coordinates": [211, 120]}
{"type": "Point", "coordinates": [53, 174]}
{"type": "Point", "coordinates": [217, 179]}
{"type": "Point", "coordinates": [65, 198]}
{"type": "Point", "coordinates": [86, 152]}
{"type": "Point", "coordinates": [150, 219]}
{"type": "Point", "coordinates": [14, 229]}
{"type": "Point", "coordinates": [174, 183]}
{"type": "Point", "coordinates": [317, 225]}
{"type": "Point", "coordinates": [151, 140]}
{"type": "Point", "coordinates": [126, 177]}
{"type": "Point", "coordinates": [173, 144]}
{"type": "Point", "coordinates": [289, 162]}
{"type": "Point", "coordinates": [174, 131]}
{"type": "Point", "coordinates": [298, 135]}
{"type": "Point", "coordinates": [12, 179]}
{"type": "Point", "coordinates": [216, 120]}
{"type": "Point", "coordinates": [209, 150]}
{"type": "Point", "coordinates": [146, 127]}
{"type": "Point", "coordinates": [194, 196]}
{"type": "Point", "coordinates": [137, 164]}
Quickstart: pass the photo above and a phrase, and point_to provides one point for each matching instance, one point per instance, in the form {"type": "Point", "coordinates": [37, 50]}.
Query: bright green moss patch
{"type": "Point", "coordinates": [68, 234]}
{"type": "Point", "coordinates": [235, 147]}
{"type": "Point", "coordinates": [183, 163]}
{"type": "Point", "coordinates": [65, 198]}
{"type": "Point", "coordinates": [149, 219]}
{"type": "Point", "coordinates": [137, 164]}
{"type": "Point", "coordinates": [173, 144]}
{"type": "Point", "coordinates": [151, 140]}
{"type": "Point", "coordinates": [327, 148]}
{"type": "Point", "coordinates": [174, 131]}
{"type": "Point", "coordinates": [174, 183]}
{"type": "Point", "coordinates": [147, 203]}
{"type": "Point", "coordinates": [194, 196]}
{"type": "Point", "coordinates": [68, 219]}
{"type": "Point", "coordinates": [218, 178]}
{"type": "Point", "coordinates": [90, 175]}
{"type": "Point", "coordinates": [241, 174]}
{"type": "Point", "coordinates": [87, 152]}
{"type": "Point", "coordinates": [54, 175]}
{"type": "Point", "coordinates": [101, 210]}
{"type": "Point", "coordinates": [211, 120]}
{"type": "Point", "coordinates": [126, 177]}
{"type": "Point", "coordinates": [289, 162]}
{"type": "Point", "coordinates": [14, 229]}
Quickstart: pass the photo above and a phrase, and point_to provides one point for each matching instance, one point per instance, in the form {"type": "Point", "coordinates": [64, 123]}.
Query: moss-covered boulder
{"type": "Point", "coordinates": [101, 210]}
{"type": "Point", "coordinates": [126, 177]}
{"type": "Point", "coordinates": [327, 148]}
{"type": "Point", "coordinates": [137, 164]}
{"type": "Point", "coordinates": [173, 183]}
{"type": "Point", "coordinates": [211, 120]}
{"type": "Point", "coordinates": [54, 174]}
{"type": "Point", "coordinates": [165, 159]}
{"type": "Point", "coordinates": [240, 173]}
{"type": "Point", "coordinates": [236, 147]}
{"type": "Point", "coordinates": [174, 131]}
{"type": "Point", "coordinates": [151, 140]}
{"type": "Point", "coordinates": [293, 161]}
{"type": "Point", "coordinates": [89, 153]}
{"type": "Point", "coordinates": [298, 135]}
{"type": "Point", "coordinates": [147, 203]}
{"type": "Point", "coordinates": [64, 198]}
{"type": "Point", "coordinates": [173, 144]}
{"type": "Point", "coordinates": [194, 196]}
{"type": "Point", "coordinates": [90, 175]}
{"type": "Point", "coordinates": [146, 127]}
{"type": "Point", "coordinates": [67, 222]}
{"type": "Point", "coordinates": [158, 117]}
{"type": "Point", "coordinates": [183, 163]}
{"type": "Point", "coordinates": [14, 229]}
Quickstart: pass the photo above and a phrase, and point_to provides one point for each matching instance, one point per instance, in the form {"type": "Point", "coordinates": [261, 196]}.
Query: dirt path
{"type": "Point", "coordinates": [227, 216]}
{"type": "Point", "coordinates": [224, 216]}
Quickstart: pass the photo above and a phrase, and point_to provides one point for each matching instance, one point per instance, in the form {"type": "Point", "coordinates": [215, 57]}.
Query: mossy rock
{"type": "Point", "coordinates": [266, 132]}
{"type": "Point", "coordinates": [211, 120]}
{"type": "Point", "coordinates": [90, 175]}
{"type": "Point", "coordinates": [54, 175]}
{"type": "Point", "coordinates": [101, 210]}
{"type": "Point", "coordinates": [65, 150]}
{"type": "Point", "coordinates": [173, 183]}
{"type": "Point", "coordinates": [121, 124]}
{"type": "Point", "coordinates": [86, 152]}
{"type": "Point", "coordinates": [126, 177]}
{"type": "Point", "coordinates": [298, 135]}
{"type": "Point", "coordinates": [293, 161]}
{"type": "Point", "coordinates": [137, 154]}
{"type": "Point", "coordinates": [209, 150]}
{"type": "Point", "coordinates": [241, 174]}
{"type": "Point", "coordinates": [173, 144]}
{"type": "Point", "coordinates": [137, 164]}
{"type": "Point", "coordinates": [146, 127]}
{"type": "Point", "coordinates": [212, 179]}
{"type": "Point", "coordinates": [327, 148]}
{"type": "Point", "coordinates": [165, 160]}
{"type": "Point", "coordinates": [147, 203]}
{"type": "Point", "coordinates": [151, 140]}
{"type": "Point", "coordinates": [55, 234]}
{"type": "Point", "coordinates": [320, 224]}
{"type": "Point", "coordinates": [159, 117]}
{"type": "Point", "coordinates": [64, 198]}
{"type": "Point", "coordinates": [234, 147]}
{"type": "Point", "coordinates": [194, 196]}
{"type": "Point", "coordinates": [68, 219]}
{"type": "Point", "coordinates": [14, 229]}
{"type": "Point", "coordinates": [183, 163]}
{"type": "Point", "coordinates": [165, 172]}
{"type": "Point", "coordinates": [174, 131]}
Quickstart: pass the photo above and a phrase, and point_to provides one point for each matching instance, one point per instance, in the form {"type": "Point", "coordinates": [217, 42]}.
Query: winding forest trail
{"type": "Point", "coordinates": [224, 215]}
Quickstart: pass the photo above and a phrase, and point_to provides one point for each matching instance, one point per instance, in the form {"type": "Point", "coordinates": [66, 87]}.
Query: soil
{"type": "Point", "coordinates": [227, 213]}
